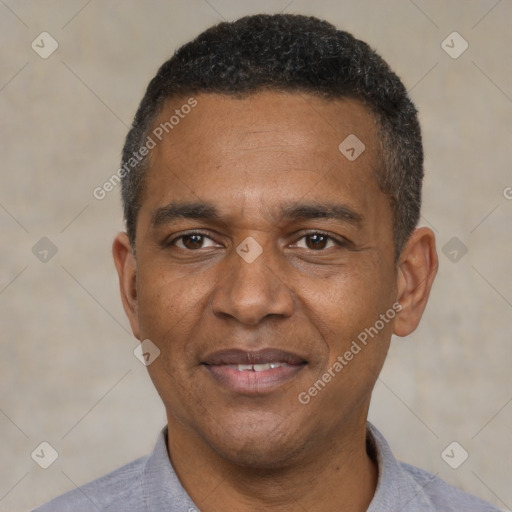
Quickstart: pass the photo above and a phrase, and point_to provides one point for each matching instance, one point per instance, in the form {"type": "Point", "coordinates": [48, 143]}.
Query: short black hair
{"type": "Point", "coordinates": [289, 53]}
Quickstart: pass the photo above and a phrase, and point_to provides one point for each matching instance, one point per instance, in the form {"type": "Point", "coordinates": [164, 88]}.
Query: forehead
{"type": "Point", "coordinates": [262, 148]}
{"type": "Point", "coordinates": [225, 122]}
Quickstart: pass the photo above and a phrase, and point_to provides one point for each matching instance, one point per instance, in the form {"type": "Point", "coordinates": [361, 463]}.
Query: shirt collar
{"type": "Point", "coordinates": [396, 489]}
{"type": "Point", "coordinates": [160, 483]}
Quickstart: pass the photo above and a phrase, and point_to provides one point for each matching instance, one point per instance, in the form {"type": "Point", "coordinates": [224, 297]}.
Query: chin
{"type": "Point", "coordinates": [257, 444]}
{"type": "Point", "coordinates": [264, 456]}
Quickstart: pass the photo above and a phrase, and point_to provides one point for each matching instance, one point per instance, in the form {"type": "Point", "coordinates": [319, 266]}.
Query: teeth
{"type": "Point", "coordinates": [261, 367]}
{"type": "Point", "coordinates": [258, 367]}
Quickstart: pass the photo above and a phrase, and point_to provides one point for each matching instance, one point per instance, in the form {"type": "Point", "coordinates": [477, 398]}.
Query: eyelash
{"type": "Point", "coordinates": [173, 241]}
{"type": "Point", "coordinates": [338, 242]}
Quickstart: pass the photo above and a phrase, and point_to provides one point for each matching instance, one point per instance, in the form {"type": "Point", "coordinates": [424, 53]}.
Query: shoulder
{"type": "Point", "coordinates": [148, 483]}
{"type": "Point", "coordinates": [443, 496]}
{"type": "Point", "coordinates": [401, 486]}
{"type": "Point", "coordinates": [111, 493]}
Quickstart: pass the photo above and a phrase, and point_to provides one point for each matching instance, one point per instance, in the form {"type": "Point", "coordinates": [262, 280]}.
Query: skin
{"type": "Point", "coordinates": [310, 295]}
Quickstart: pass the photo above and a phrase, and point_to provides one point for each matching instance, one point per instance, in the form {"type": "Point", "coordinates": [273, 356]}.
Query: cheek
{"type": "Point", "coordinates": [170, 308]}
{"type": "Point", "coordinates": [349, 304]}
{"type": "Point", "coordinates": [168, 304]}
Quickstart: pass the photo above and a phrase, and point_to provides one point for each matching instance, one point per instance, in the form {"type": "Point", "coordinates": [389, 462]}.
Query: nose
{"type": "Point", "coordinates": [252, 290]}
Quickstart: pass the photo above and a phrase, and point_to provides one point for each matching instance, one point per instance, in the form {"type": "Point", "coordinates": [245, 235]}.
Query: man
{"type": "Point", "coordinates": [271, 191]}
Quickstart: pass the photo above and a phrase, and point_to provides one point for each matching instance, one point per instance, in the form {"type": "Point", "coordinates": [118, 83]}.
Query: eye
{"type": "Point", "coordinates": [193, 241]}
{"type": "Point", "coordinates": [316, 242]}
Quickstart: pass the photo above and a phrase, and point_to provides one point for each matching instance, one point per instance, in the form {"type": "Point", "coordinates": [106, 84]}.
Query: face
{"type": "Point", "coordinates": [262, 254]}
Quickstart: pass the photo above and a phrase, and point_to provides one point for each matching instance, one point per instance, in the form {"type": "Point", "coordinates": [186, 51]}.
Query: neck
{"type": "Point", "coordinates": [338, 474]}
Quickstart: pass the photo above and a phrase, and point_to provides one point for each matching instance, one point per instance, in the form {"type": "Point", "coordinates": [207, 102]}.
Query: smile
{"type": "Point", "coordinates": [253, 373]}
{"type": "Point", "coordinates": [256, 367]}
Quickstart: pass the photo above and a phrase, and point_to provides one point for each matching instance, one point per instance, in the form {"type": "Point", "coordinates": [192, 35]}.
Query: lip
{"type": "Point", "coordinates": [266, 355]}
{"type": "Point", "coordinates": [221, 365]}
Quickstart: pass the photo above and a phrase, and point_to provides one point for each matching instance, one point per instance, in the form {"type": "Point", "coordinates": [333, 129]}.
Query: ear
{"type": "Point", "coordinates": [126, 266]}
{"type": "Point", "coordinates": [417, 268]}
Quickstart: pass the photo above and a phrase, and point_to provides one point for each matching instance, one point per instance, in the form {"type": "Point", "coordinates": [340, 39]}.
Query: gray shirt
{"type": "Point", "coordinates": [149, 484]}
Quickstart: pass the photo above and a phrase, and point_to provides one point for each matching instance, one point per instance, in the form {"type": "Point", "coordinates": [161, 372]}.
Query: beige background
{"type": "Point", "coordinates": [68, 374]}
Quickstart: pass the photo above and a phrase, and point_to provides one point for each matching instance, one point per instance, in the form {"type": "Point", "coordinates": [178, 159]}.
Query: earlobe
{"type": "Point", "coordinates": [126, 266]}
{"type": "Point", "coordinates": [417, 269]}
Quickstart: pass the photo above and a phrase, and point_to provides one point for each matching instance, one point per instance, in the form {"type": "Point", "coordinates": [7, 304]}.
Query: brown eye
{"type": "Point", "coordinates": [316, 241]}
{"type": "Point", "coordinates": [193, 241]}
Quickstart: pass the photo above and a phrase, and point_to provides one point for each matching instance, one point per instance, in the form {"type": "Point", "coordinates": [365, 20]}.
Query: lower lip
{"type": "Point", "coordinates": [251, 382]}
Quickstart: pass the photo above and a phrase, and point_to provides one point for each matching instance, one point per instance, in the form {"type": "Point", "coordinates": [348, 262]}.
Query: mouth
{"type": "Point", "coordinates": [253, 373]}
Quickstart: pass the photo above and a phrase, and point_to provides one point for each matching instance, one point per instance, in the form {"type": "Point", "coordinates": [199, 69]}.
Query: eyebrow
{"type": "Point", "coordinates": [175, 211]}
{"type": "Point", "coordinates": [340, 212]}
{"type": "Point", "coordinates": [292, 211]}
